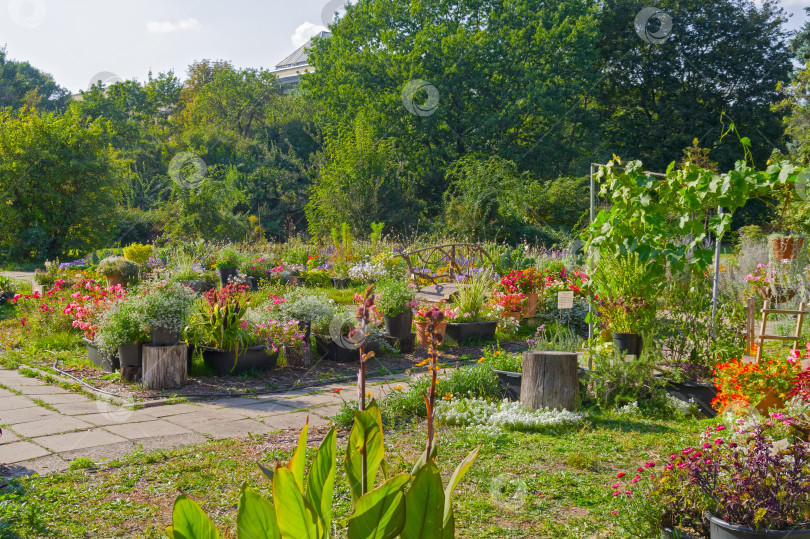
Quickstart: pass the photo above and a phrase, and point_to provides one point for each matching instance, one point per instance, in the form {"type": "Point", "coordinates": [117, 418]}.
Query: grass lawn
{"type": "Point", "coordinates": [522, 485]}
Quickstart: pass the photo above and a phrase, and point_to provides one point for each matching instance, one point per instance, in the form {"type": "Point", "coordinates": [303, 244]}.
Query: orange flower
{"type": "Point", "coordinates": [398, 388]}
{"type": "Point", "coordinates": [423, 363]}
{"type": "Point", "coordinates": [448, 396]}
{"type": "Point", "coordinates": [482, 360]}
{"type": "Point", "coordinates": [338, 390]}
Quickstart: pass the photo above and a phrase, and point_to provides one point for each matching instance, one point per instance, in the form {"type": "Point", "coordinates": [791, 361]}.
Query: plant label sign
{"type": "Point", "coordinates": [565, 300]}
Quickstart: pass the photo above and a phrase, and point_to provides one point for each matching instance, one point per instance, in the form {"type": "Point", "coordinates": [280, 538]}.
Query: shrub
{"type": "Point", "coordinates": [120, 325]}
{"type": "Point", "coordinates": [395, 297]}
{"type": "Point", "coordinates": [116, 265]}
{"type": "Point", "coordinates": [138, 253]}
{"type": "Point", "coordinates": [165, 305]}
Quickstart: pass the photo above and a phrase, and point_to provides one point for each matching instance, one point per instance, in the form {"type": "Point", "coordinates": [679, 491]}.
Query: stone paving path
{"type": "Point", "coordinates": [19, 275]}
{"type": "Point", "coordinates": [45, 427]}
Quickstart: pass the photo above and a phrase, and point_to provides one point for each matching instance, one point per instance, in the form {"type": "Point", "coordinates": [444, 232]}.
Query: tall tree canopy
{"type": "Point", "coordinates": [22, 85]}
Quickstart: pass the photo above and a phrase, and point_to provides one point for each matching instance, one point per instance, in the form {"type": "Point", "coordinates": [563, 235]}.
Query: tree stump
{"type": "Point", "coordinates": [550, 380]}
{"type": "Point", "coordinates": [165, 367]}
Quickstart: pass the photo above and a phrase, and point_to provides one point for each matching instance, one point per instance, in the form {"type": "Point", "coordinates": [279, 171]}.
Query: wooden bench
{"type": "Point", "coordinates": [458, 258]}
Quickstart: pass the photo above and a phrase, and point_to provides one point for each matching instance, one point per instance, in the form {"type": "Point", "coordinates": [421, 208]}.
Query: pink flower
{"type": "Point", "coordinates": [720, 428]}
{"type": "Point", "coordinates": [670, 466]}
{"type": "Point", "coordinates": [718, 441]}
{"type": "Point", "coordinates": [707, 445]}
{"type": "Point", "coordinates": [649, 464]}
{"type": "Point", "coordinates": [616, 493]}
{"type": "Point", "coordinates": [687, 450]}
{"type": "Point", "coordinates": [620, 475]}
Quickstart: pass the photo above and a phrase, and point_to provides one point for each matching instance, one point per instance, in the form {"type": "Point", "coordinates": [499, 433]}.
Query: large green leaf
{"type": "Point", "coordinates": [455, 479]}
{"type": "Point", "coordinates": [189, 521]}
{"type": "Point", "coordinates": [256, 516]}
{"type": "Point", "coordinates": [366, 436]}
{"type": "Point", "coordinates": [296, 517]}
{"type": "Point", "coordinates": [424, 505]}
{"type": "Point", "coordinates": [321, 480]}
{"type": "Point", "coordinates": [380, 514]}
{"type": "Point", "coordinates": [298, 461]}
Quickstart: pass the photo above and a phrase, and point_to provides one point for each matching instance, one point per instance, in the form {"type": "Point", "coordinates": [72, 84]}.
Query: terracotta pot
{"type": "Point", "coordinates": [787, 247]}
{"type": "Point", "coordinates": [514, 315]}
{"type": "Point", "coordinates": [422, 333]}
{"type": "Point", "coordinates": [114, 279]}
{"type": "Point", "coordinates": [782, 294]}
{"type": "Point", "coordinates": [531, 309]}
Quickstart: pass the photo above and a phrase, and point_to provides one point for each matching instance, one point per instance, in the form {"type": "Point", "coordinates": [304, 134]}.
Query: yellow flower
{"type": "Point", "coordinates": [448, 396]}
{"type": "Point", "coordinates": [398, 388]}
{"type": "Point", "coordinates": [482, 360]}
{"type": "Point", "coordinates": [498, 353]}
{"type": "Point", "coordinates": [423, 363]}
{"type": "Point", "coordinates": [369, 394]}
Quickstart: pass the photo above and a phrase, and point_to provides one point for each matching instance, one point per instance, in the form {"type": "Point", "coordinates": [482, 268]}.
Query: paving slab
{"type": "Point", "coordinates": [6, 393]}
{"type": "Point", "coordinates": [7, 437]}
{"type": "Point", "coordinates": [117, 418]}
{"type": "Point", "coordinates": [101, 453]}
{"type": "Point", "coordinates": [308, 401]}
{"type": "Point", "coordinates": [14, 403]}
{"type": "Point", "coordinates": [295, 420]}
{"type": "Point", "coordinates": [265, 408]}
{"type": "Point", "coordinates": [326, 412]}
{"type": "Point", "coordinates": [203, 416]}
{"type": "Point", "coordinates": [168, 442]}
{"type": "Point", "coordinates": [20, 451]}
{"type": "Point", "coordinates": [59, 443]}
{"type": "Point", "coordinates": [50, 425]}
{"type": "Point", "coordinates": [60, 398]}
{"type": "Point", "coordinates": [24, 415]}
{"type": "Point", "coordinates": [240, 428]}
{"type": "Point", "coordinates": [230, 402]}
{"type": "Point", "coordinates": [41, 466]}
{"type": "Point", "coordinates": [38, 390]}
{"type": "Point", "coordinates": [172, 409]}
{"type": "Point", "coordinates": [86, 407]}
{"type": "Point", "coordinates": [148, 429]}
{"type": "Point", "coordinates": [8, 378]}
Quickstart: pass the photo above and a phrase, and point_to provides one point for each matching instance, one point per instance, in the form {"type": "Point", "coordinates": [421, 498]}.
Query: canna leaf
{"type": "Point", "coordinates": [296, 517]}
{"type": "Point", "coordinates": [256, 516]}
{"type": "Point", "coordinates": [380, 514]}
{"type": "Point", "coordinates": [424, 505]}
{"type": "Point", "coordinates": [455, 479]}
{"type": "Point", "coordinates": [299, 459]}
{"type": "Point", "coordinates": [321, 480]}
{"type": "Point", "coordinates": [189, 521]}
{"type": "Point", "coordinates": [366, 436]}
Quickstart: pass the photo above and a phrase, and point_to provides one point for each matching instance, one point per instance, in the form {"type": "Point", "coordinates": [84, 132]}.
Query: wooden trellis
{"type": "Point", "coordinates": [762, 337]}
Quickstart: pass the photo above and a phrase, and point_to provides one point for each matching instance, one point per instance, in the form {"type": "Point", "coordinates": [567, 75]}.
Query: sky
{"type": "Point", "coordinates": [76, 40]}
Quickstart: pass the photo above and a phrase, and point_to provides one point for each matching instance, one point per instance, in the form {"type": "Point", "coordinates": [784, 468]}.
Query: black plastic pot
{"type": "Point", "coordinates": [225, 361]}
{"type": "Point", "coordinates": [510, 384]}
{"type": "Point", "coordinates": [720, 529]}
{"type": "Point", "coordinates": [164, 337]}
{"type": "Point", "coordinates": [628, 343]}
{"type": "Point", "coordinates": [341, 283]}
{"type": "Point", "coordinates": [669, 533]}
{"type": "Point", "coordinates": [225, 274]}
{"type": "Point", "coordinates": [399, 326]}
{"type": "Point", "coordinates": [328, 349]}
{"type": "Point", "coordinates": [702, 394]}
{"type": "Point", "coordinates": [198, 286]}
{"type": "Point", "coordinates": [460, 333]}
{"type": "Point", "coordinates": [129, 355]}
{"type": "Point", "coordinates": [102, 360]}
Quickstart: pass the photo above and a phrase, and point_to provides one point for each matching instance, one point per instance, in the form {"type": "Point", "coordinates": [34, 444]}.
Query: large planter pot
{"type": "Point", "coordinates": [341, 283]}
{"type": "Point", "coordinates": [510, 384]}
{"type": "Point", "coordinates": [226, 362]}
{"type": "Point", "coordinates": [225, 275]}
{"type": "Point", "coordinates": [516, 315]}
{"type": "Point", "coordinates": [780, 295]}
{"type": "Point", "coordinates": [786, 247]}
{"type": "Point", "coordinates": [102, 360]}
{"type": "Point", "coordinates": [164, 337]}
{"type": "Point", "coordinates": [399, 326]}
{"type": "Point", "coordinates": [328, 349]}
{"type": "Point", "coordinates": [422, 334]}
{"type": "Point", "coordinates": [114, 280]}
{"type": "Point", "coordinates": [531, 310]}
{"type": "Point", "coordinates": [669, 533]}
{"type": "Point", "coordinates": [720, 529]}
{"type": "Point", "coordinates": [697, 392]}
{"type": "Point", "coordinates": [461, 333]}
{"type": "Point", "coordinates": [628, 343]}
{"type": "Point", "coordinates": [129, 355]}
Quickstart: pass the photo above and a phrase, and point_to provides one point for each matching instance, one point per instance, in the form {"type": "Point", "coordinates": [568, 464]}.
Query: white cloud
{"type": "Point", "coordinates": [166, 27]}
{"type": "Point", "coordinates": [304, 32]}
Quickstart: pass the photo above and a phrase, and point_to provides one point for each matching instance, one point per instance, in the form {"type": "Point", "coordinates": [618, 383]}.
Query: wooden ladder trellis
{"type": "Point", "coordinates": [762, 337]}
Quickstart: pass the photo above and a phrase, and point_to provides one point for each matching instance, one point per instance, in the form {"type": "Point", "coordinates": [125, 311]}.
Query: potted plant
{"type": "Point", "coordinates": [786, 246]}
{"type": "Point", "coordinates": [623, 319]}
{"type": "Point", "coordinates": [45, 279]}
{"type": "Point", "coordinates": [227, 265]}
{"type": "Point", "coordinates": [118, 270]}
{"type": "Point", "coordinates": [313, 311]}
{"type": "Point", "coordinates": [7, 289]}
{"type": "Point", "coordinates": [514, 305]}
{"type": "Point", "coordinates": [766, 384]}
{"type": "Point", "coordinates": [340, 275]}
{"type": "Point", "coordinates": [473, 321]}
{"type": "Point", "coordinates": [164, 308]}
{"type": "Point", "coordinates": [395, 300]}
{"type": "Point", "coordinates": [526, 283]}
{"type": "Point", "coordinates": [120, 330]}
{"type": "Point", "coordinates": [422, 319]}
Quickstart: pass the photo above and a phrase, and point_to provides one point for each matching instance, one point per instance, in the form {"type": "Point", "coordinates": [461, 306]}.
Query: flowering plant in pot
{"type": "Point", "coordinates": [164, 309]}
{"type": "Point", "coordinates": [227, 264]}
{"type": "Point", "coordinates": [766, 383]}
{"type": "Point", "coordinates": [120, 329]}
{"type": "Point", "coordinates": [625, 319]}
{"type": "Point", "coordinates": [395, 300]}
{"type": "Point", "coordinates": [475, 318]}
{"type": "Point", "coordinates": [423, 317]}
{"type": "Point", "coordinates": [513, 304]}
{"type": "Point", "coordinates": [118, 270]}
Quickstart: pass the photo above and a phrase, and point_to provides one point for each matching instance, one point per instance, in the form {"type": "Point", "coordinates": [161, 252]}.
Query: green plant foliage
{"type": "Point", "coordinates": [138, 253]}
{"type": "Point", "coordinates": [394, 297]}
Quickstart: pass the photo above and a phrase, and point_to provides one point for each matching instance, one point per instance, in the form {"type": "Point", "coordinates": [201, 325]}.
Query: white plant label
{"type": "Point", "coordinates": [565, 300]}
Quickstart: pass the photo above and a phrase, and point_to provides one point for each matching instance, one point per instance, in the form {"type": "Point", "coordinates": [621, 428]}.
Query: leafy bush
{"type": "Point", "coordinates": [120, 325]}
{"type": "Point", "coordinates": [164, 305]}
{"type": "Point", "coordinates": [138, 253]}
{"type": "Point", "coordinates": [395, 297]}
{"type": "Point", "coordinates": [307, 306]}
{"type": "Point", "coordinates": [116, 265]}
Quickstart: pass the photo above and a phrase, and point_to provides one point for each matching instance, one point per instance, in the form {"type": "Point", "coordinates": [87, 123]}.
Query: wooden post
{"type": "Point", "coordinates": [765, 308]}
{"type": "Point", "coordinates": [550, 380]}
{"type": "Point", "coordinates": [799, 321]}
{"type": "Point", "coordinates": [749, 326]}
{"type": "Point", "coordinates": [165, 367]}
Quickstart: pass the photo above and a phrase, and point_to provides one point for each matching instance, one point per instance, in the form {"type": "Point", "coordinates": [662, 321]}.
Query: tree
{"type": "Point", "coordinates": [800, 45]}
{"type": "Point", "coordinates": [22, 85]}
{"type": "Point", "coordinates": [59, 182]}
{"type": "Point", "coordinates": [723, 57]}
